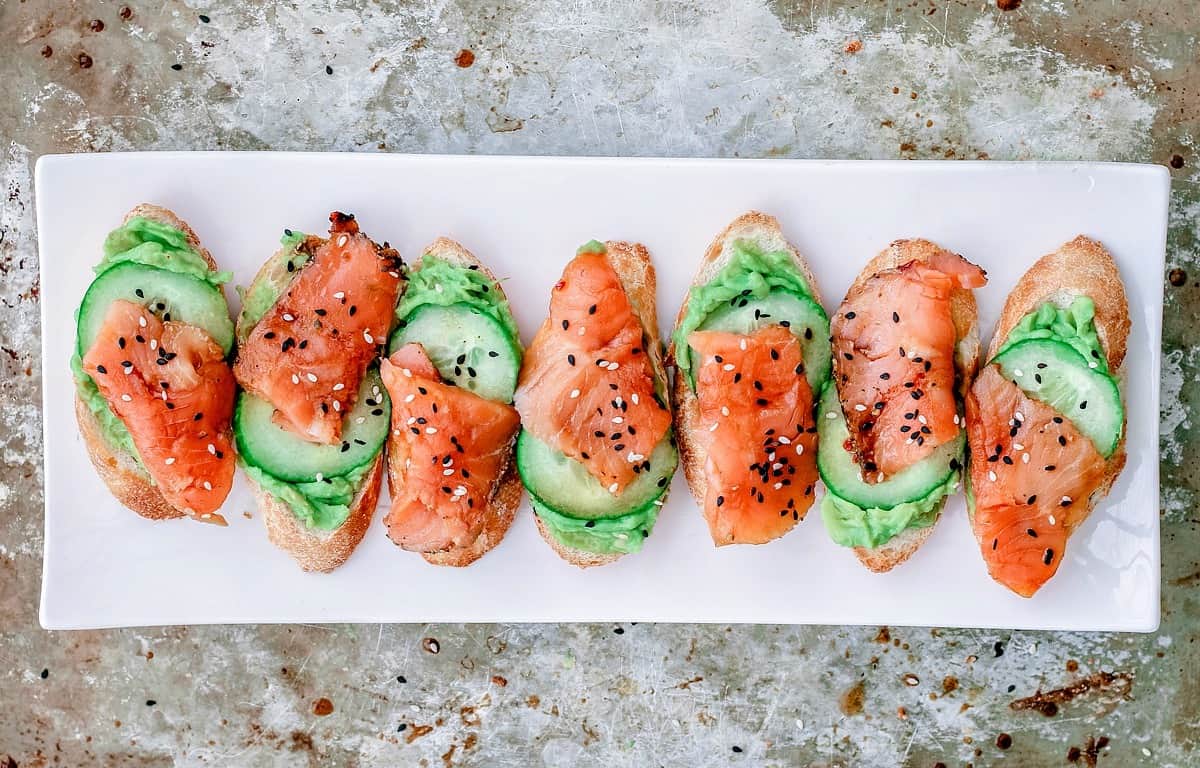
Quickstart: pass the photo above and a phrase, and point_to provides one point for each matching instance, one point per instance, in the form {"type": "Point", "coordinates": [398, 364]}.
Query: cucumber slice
{"type": "Point", "coordinates": [278, 452]}
{"type": "Point", "coordinates": [1060, 377]}
{"type": "Point", "coordinates": [806, 319]}
{"type": "Point", "coordinates": [842, 474]}
{"type": "Point", "coordinates": [165, 293]}
{"type": "Point", "coordinates": [567, 487]}
{"type": "Point", "coordinates": [468, 347]}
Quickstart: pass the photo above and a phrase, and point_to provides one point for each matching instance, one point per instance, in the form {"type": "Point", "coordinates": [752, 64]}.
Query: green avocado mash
{"type": "Point", "coordinates": [439, 282]}
{"type": "Point", "coordinates": [154, 244]}
{"type": "Point", "coordinates": [852, 526]}
{"type": "Point", "coordinates": [1074, 325]}
{"type": "Point", "coordinates": [151, 244]}
{"type": "Point", "coordinates": [274, 278]}
{"type": "Point", "coordinates": [750, 273]}
{"type": "Point", "coordinates": [323, 505]}
{"type": "Point", "coordinates": [591, 246]}
{"type": "Point", "coordinates": [608, 535]}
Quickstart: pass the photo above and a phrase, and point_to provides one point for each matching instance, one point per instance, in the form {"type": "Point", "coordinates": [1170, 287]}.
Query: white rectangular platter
{"type": "Point", "coordinates": [105, 566]}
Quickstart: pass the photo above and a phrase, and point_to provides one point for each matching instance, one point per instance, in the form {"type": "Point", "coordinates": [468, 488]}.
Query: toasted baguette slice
{"type": "Point", "coordinates": [763, 230]}
{"type": "Point", "coordinates": [1081, 267]}
{"type": "Point", "coordinates": [313, 549]}
{"type": "Point", "coordinates": [631, 262]}
{"type": "Point", "coordinates": [125, 477]}
{"type": "Point", "coordinates": [965, 314]}
{"type": "Point", "coordinates": [506, 496]}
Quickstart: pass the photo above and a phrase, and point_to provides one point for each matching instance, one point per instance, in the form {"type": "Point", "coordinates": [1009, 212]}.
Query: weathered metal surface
{"type": "Point", "coordinates": [1049, 79]}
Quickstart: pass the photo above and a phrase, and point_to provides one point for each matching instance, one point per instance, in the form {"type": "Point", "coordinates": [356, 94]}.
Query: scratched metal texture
{"type": "Point", "coordinates": [1045, 79]}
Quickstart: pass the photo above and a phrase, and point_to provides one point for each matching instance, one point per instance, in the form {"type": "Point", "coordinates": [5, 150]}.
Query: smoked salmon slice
{"type": "Point", "coordinates": [893, 352]}
{"type": "Point", "coordinates": [757, 429]}
{"type": "Point", "coordinates": [1032, 473]}
{"type": "Point", "coordinates": [587, 385]}
{"type": "Point", "coordinates": [170, 385]}
{"type": "Point", "coordinates": [308, 353]}
{"type": "Point", "coordinates": [449, 447]}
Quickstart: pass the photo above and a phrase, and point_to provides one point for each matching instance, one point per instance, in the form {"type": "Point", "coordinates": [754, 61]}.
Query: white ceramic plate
{"type": "Point", "coordinates": [105, 566]}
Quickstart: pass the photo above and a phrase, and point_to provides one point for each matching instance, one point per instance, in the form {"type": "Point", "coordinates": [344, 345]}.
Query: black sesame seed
{"type": "Point", "coordinates": [590, 524]}
{"type": "Point", "coordinates": [140, 293]}
{"type": "Point", "coordinates": [895, 317]}
{"type": "Point", "coordinates": [850, 315]}
{"type": "Point", "coordinates": [774, 354]}
{"type": "Point", "coordinates": [377, 412]}
{"type": "Point", "coordinates": [1058, 420]}
{"type": "Point", "coordinates": [101, 369]}
{"type": "Point", "coordinates": [121, 342]}
{"type": "Point", "coordinates": [1048, 557]}
{"type": "Point", "coordinates": [328, 70]}
{"type": "Point", "coordinates": [720, 501]}
{"type": "Point", "coordinates": [847, 355]}
{"type": "Point", "coordinates": [269, 335]}
{"type": "Point", "coordinates": [566, 324]}
{"type": "Point", "coordinates": [808, 334]}
{"type": "Point", "coordinates": [1083, 405]}
{"type": "Point", "coordinates": [570, 358]}
{"type": "Point", "coordinates": [592, 310]}
{"type": "Point", "coordinates": [761, 401]}
{"type": "Point", "coordinates": [1062, 440]}
{"type": "Point", "coordinates": [1049, 468]}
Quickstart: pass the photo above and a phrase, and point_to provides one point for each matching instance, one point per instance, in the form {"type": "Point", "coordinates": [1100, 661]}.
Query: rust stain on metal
{"type": "Point", "coordinates": [1048, 702]}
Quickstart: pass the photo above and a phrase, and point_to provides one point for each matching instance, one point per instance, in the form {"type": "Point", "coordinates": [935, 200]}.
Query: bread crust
{"type": "Point", "coordinates": [1080, 267]}
{"type": "Point", "coordinates": [760, 228]}
{"type": "Point", "coordinates": [631, 262]}
{"type": "Point", "coordinates": [316, 550]}
{"type": "Point", "coordinates": [126, 479]}
{"type": "Point", "coordinates": [502, 507]}
{"type": "Point", "coordinates": [965, 314]}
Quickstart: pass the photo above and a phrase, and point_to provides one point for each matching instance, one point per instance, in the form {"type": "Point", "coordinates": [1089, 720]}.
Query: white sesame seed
{"type": "Point", "coordinates": [783, 440]}
{"type": "Point", "coordinates": [799, 448]}
{"type": "Point", "coordinates": [170, 460]}
{"type": "Point", "coordinates": [361, 419]}
{"type": "Point", "coordinates": [339, 295]}
{"type": "Point", "coordinates": [1018, 447]}
{"type": "Point", "coordinates": [394, 274]}
{"type": "Point", "coordinates": [634, 398]}
{"type": "Point", "coordinates": [212, 449]}
{"type": "Point", "coordinates": [613, 488]}
{"type": "Point", "coordinates": [776, 465]}
{"type": "Point", "coordinates": [860, 407]}
{"type": "Point", "coordinates": [613, 366]}
{"type": "Point", "coordinates": [727, 367]}
{"type": "Point", "coordinates": [1052, 521]}
{"type": "Point", "coordinates": [632, 457]}
{"type": "Point", "coordinates": [437, 287]}
{"type": "Point", "coordinates": [617, 402]}
{"type": "Point", "coordinates": [1066, 499]}
{"type": "Point", "coordinates": [879, 478]}
{"type": "Point", "coordinates": [207, 486]}
{"type": "Point", "coordinates": [991, 476]}
{"type": "Point", "coordinates": [771, 457]}
{"type": "Point", "coordinates": [778, 486]}
{"type": "Point", "coordinates": [582, 330]}
{"type": "Point", "coordinates": [337, 405]}
{"type": "Point", "coordinates": [831, 415]}
{"type": "Point", "coordinates": [724, 410]}
{"type": "Point", "coordinates": [153, 344]}
{"type": "Point", "coordinates": [142, 321]}
{"type": "Point", "coordinates": [339, 387]}
{"type": "Point", "coordinates": [320, 476]}
{"type": "Point", "coordinates": [658, 502]}
{"type": "Point", "coordinates": [396, 432]}
{"type": "Point", "coordinates": [1024, 458]}
{"type": "Point", "coordinates": [742, 344]}
{"type": "Point", "coordinates": [411, 420]}
{"type": "Point", "coordinates": [618, 420]}
{"type": "Point", "coordinates": [406, 372]}
{"type": "Point", "coordinates": [1017, 372]}
{"type": "Point", "coordinates": [956, 419]}
{"type": "Point", "coordinates": [409, 398]}
{"type": "Point", "coordinates": [311, 377]}
{"type": "Point", "coordinates": [375, 390]}
{"type": "Point", "coordinates": [126, 398]}
{"type": "Point", "coordinates": [343, 240]}
{"type": "Point", "coordinates": [431, 430]}
{"type": "Point", "coordinates": [288, 316]}
{"type": "Point", "coordinates": [713, 428]}
{"type": "Point", "coordinates": [1020, 417]}
{"type": "Point", "coordinates": [368, 337]}
{"type": "Point", "coordinates": [295, 379]}
{"type": "Point", "coordinates": [574, 393]}
{"type": "Point", "coordinates": [921, 419]}
{"type": "Point", "coordinates": [1092, 364]}
{"type": "Point", "coordinates": [447, 472]}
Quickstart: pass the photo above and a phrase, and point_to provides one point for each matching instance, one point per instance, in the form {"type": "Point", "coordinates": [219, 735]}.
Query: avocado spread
{"type": "Point", "coordinates": [852, 526]}
{"type": "Point", "coordinates": [1074, 326]}
{"type": "Point", "coordinates": [607, 535]}
{"type": "Point", "coordinates": [752, 274]}
{"type": "Point", "coordinates": [439, 282]}
{"type": "Point", "coordinates": [323, 504]}
{"type": "Point", "coordinates": [273, 280]}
